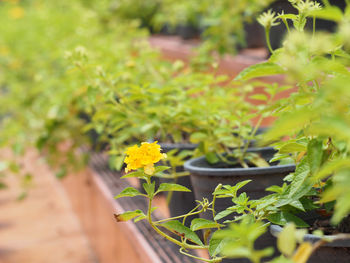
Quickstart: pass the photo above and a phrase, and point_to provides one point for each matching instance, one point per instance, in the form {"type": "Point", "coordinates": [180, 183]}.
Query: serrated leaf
{"type": "Point", "coordinates": [301, 173]}
{"type": "Point", "coordinates": [297, 204]}
{"type": "Point", "coordinates": [128, 215]}
{"type": "Point", "coordinates": [128, 192]}
{"type": "Point", "coordinates": [183, 231]}
{"type": "Point", "coordinates": [201, 223]}
{"type": "Point", "coordinates": [260, 70]}
{"type": "Point", "coordinates": [172, 187]}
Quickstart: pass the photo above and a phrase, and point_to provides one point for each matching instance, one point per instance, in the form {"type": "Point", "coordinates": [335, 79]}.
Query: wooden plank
{"type": "Point", "coordinates": [42, 228]}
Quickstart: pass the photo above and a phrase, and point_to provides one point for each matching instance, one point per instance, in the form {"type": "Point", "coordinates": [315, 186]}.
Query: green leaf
{"type": "Point", "coordinates": [286, 241]}
{"type": "Point", "coordinates": [128, 192]}
{"type": "Point", "coordinates": [159, 169]}
{"type": "Point", "coordinates": [138, 174]}
{"type": "Point", "coordinates": [289, 123]}
{"type": "Point", "coordinates": [128, 215]}
{"type": "Point", "coordinates": [215, 246]}
{"type": "Point", "coordinates": [223, 214]}
{"type": "Point", "coordinates": [201, 223]}
{"type": "Point", "coordinates": [183, 231]}
{"type": "Point", "coordinates": [212, 158]}
{"type": "Point", "coordinates": [301, 173]}
{"type": "Point", "coordinates": [172, 187]}
{"type": "Point", "coordinates": [331, 167]}
{"type": "Point", "coordinates": [149, 188]}
{"type": "Point", "coordinates": [332, 13]}
{"type": "Point", "coordinates": [314, 155]}
{"type": "Point", "coordinates": [297, 204]}
{"type": "Point", "coordinates": [259, 70]}
{"type": "Point", "coordinates": [292, 147]}
{"type": "Point", "coordinates": [282, 218]}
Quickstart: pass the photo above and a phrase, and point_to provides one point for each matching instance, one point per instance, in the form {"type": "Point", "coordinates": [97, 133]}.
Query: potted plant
{"type": "Point", "coordinates": [315, 195]}
{"type": "Point", "coordinates": [230, 164]}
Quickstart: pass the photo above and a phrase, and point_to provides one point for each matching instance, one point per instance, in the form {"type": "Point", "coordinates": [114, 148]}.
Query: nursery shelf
{"type": "Point", "coordinates": [91, 193]}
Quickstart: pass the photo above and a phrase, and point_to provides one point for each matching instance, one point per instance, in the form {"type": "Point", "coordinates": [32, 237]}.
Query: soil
{"type": "Point", "coordinates": [329, 229]}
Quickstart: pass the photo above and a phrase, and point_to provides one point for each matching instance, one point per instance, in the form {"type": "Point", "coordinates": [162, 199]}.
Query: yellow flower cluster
{"type": "Point", "coordinates": [144, 157]}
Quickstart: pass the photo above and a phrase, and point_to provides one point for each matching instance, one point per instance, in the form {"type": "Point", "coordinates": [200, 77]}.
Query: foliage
{"type": "Point", "coordinates": [311, 129]}
{"type": "Point", "coordinates": [223, 24]}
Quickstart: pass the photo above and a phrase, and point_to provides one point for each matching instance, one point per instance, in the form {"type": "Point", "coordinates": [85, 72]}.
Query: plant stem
{"type": "Point", "coordinates": [199, 258]}
{"type": "Point", "coordinates": [175, 241]}
{"type": "Point", "coordinates": [177, 217]}
{"type": "Point", "coordinates": [267, 35]}
{"type": "Point", "coordinates": [213, 210]}
{"type": "Point", "coordinates": [286, 24]}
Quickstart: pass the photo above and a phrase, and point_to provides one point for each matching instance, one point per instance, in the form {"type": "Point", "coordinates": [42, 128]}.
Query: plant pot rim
{"type": "Point", "coordinates": [276, 229]}
{"type": "Point", "coordinates": [179, 146]}
{"type": "Point", "coordinates": [194, 167]}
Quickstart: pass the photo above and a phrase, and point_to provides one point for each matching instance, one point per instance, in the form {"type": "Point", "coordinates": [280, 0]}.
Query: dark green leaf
{"type": "Point", "coordinates": [282, 218]}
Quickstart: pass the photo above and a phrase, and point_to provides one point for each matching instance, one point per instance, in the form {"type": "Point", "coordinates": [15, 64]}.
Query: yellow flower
{"type": "Point", "coordinates": [16, 12]}
{"type": "Point", "coordinates": [144, 157]}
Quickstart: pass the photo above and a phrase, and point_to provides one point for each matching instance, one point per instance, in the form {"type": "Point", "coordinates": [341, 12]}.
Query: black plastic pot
{"type": "Point", "coordinates": [187, 31]}
{"type": "Point", "coordinates": [337, 251]}
{"type": "Point", "coordinates": [206, 177]}
{"type": "Point", "coordinates": [254, 35]}
{"type": "Point", "coordinates": [180, 202]}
